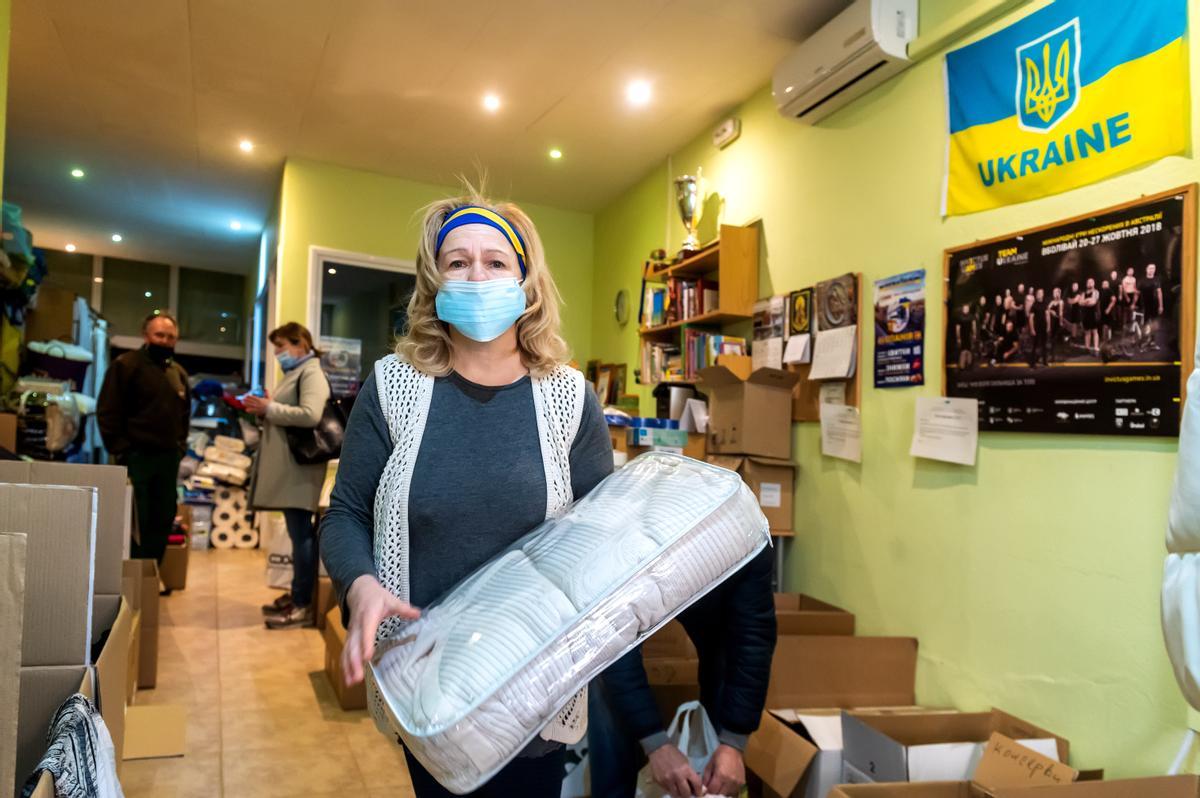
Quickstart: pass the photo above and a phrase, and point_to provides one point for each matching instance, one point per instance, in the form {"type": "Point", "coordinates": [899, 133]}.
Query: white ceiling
{"type": "Point", "coordinates": [150, 97]}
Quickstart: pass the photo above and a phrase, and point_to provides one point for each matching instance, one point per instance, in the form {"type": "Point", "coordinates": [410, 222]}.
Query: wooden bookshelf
{"type": "Point", "coordinates": [732, 263]}
{"type": "Point", "coordinates": [714, 318]}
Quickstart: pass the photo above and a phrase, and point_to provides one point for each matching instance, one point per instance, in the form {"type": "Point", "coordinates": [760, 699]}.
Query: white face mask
{"type": "Point", "coordinates": [481, 310]}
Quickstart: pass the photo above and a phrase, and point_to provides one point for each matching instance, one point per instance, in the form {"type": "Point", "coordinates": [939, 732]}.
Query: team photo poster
{"type": "Point", "coordinates": [1077, 327]}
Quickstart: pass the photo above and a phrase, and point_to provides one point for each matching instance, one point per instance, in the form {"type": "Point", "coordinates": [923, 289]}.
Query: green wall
{"type": "Point", "coordinates": [1032, 580]}
{"type": "Point", "coordinates": [363, 212]}
{"type": "Point", "coordinates": [5, 32]}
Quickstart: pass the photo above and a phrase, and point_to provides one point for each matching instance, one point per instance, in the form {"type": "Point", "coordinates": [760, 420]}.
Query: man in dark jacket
{"type": "Point", "coordinates": [733, 629]}
{"type": "Point", "coordinates": [143, 416]}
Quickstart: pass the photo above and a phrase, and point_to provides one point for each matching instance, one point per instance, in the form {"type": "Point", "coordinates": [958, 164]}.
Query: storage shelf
{"type": "Point", "coordinates": [705, 261]}
{"type": "Point", "coordinates": [715, 318]}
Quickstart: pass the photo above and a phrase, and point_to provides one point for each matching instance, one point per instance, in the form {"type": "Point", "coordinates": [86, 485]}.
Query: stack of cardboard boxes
{"type": "Point", "coordinates": [750, 431]}
{"type": "Point", "coordinates": [67, 603]}
{"type": "Point", "coordinates": [841, 709]}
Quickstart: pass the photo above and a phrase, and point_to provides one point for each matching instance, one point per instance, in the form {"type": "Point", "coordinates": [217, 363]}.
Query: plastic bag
{"type": "Point", "coordinates": [492, 662]}
{"type": "Point", "coordinates": [692, 733]}
{"type": "Point", "coordinates": [274, 537]}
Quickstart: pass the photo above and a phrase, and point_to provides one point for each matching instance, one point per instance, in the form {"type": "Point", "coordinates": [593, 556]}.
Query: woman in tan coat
{"type": "Point", "coordinates": [279, 482]}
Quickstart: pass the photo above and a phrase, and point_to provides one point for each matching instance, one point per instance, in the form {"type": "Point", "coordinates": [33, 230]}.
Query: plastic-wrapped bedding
{"type": "Point", "coordinates": [491, 663]}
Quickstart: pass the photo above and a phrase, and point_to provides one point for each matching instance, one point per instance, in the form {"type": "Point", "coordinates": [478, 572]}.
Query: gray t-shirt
{"type": "Point", "coordinates": [478, 482]}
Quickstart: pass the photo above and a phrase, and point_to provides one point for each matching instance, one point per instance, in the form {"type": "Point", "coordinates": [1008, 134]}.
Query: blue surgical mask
{"type": "Point", "coordinates": [287, 362]}
{"type": "Point", "coordinates": [481, 310]}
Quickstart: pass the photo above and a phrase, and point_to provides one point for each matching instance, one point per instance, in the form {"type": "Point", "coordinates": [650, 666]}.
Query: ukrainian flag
{"type": "Point", "coordinates": [1071, 94]}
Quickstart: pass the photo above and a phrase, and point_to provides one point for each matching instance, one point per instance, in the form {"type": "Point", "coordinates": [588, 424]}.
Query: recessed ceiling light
{"type": "Point", "coordinates": [116, 237]}
{"type": "Point", "coordinates": [491, 102]}
{"type": "Point", "coordinates": [789, 89]}
{"type": "Point", "coordinates": [556, 154]}
{"type": "Point", "coordinates": [332, 271]}
{"type": "Point", "coordinates": [222, 329]}
{"type": "Point", "coordinates": [97, 279]}
{"type": "Point", "coordinates": [235, 225]}
{"type": "Point", "coordinates": [246, 145]}
{"type": "Point", "coordinates": [77, 173]}
{"type": "Point", "coordinates": [149, 294]}
{"type": "Point", "coordinates": [638, 92]}
{"type": "Point", "coordinates": [69, 247]}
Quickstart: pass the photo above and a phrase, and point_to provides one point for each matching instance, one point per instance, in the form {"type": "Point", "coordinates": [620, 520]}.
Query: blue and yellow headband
{"type": "Point", "coordinates": [472, 214]}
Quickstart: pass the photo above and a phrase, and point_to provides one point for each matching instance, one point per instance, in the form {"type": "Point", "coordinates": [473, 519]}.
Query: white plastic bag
{"type": "Point", "coordinates": [274, 538]}
{"type": "Point", "coordinates": [692, 733]}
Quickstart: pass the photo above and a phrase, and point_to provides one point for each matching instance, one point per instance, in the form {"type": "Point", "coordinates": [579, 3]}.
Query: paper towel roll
{"type": "Point", "coordinates": [246, 538]}
{"type": "Point", "coordinates": [221, 539]}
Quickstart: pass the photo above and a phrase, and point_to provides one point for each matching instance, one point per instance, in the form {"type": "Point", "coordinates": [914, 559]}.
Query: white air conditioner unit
{"type": "Point", "coordinates": [856, 51]}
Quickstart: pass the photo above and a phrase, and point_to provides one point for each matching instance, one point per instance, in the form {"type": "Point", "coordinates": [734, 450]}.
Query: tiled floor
{"type": "Point", "coordinates": [262, 719]}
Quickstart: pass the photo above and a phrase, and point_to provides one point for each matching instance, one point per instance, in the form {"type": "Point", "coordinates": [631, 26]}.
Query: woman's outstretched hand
{"type": "Point", "coordinates": [369, 603]}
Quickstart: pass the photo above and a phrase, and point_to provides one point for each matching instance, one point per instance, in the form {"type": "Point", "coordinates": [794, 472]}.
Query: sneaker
{"type": "Point", "coordinates": [293, 617]}
{"type": "Point", "coordinates": [281, 604]}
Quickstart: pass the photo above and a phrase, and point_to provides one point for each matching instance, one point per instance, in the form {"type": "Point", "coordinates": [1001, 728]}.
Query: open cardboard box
{"type": "Point", "coordinates": [60, 528]}
{"type": "Point", "coordinates": [1154, 787]}
{"type": "Point", "coordinates": [832, 672]}
{"type": "Point", "coordinates": [335, 640]}
{"type": "Point", "coordinates": [751, 416]}
{"type": "Point", "coordinates": [770, 479]}
{"type": "Point", "coordinates": [801, 614]}
{"type": "Point", "coordinates": [140, 587]}
{"type": "Point", "coordinates": [933, 747]}
{"type": "Point", "coordinates": [175, 567]}
{"type": "Point", "coordinates": [111, 511]}
{"type": "Point", "coordinates": [1006, 769]}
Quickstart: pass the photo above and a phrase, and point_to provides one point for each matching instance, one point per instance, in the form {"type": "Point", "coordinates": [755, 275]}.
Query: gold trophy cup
{"type": "Point", "coordinates": [690, 197]}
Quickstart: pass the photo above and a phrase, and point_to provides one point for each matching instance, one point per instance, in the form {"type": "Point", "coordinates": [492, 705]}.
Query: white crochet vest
{"type": "Point", "coordinates": [404, 397]}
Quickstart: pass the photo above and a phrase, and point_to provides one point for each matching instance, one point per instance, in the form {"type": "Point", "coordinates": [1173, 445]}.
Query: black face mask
{"type": "Point", "coordinates": [160, 354]}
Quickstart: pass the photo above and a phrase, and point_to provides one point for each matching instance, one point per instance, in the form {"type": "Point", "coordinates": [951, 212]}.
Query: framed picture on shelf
{"type": "Point", "coordinates": [589, 371]}
{"type": "Point", "coordinates": [604, 383]}
{"type": "Point", "coordinates": [618, 373]}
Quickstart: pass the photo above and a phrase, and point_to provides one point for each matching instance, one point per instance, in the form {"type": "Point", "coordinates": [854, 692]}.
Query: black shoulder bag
{"type": "Point", "coordinates": [322, 443]}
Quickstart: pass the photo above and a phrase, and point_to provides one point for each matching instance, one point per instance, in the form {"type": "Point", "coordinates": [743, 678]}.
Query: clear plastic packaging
{"type": "Point", "coordinates": [490, 664]}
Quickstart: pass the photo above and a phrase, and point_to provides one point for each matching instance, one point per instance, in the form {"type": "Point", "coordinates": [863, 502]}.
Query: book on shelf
{"type": "Point", "coordinates": [654, 306]}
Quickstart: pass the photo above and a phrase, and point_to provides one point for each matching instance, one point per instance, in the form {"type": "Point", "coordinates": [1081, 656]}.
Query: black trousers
{"type": "Point", "coordinates": [153, 475]}
{"type": "Point", "coordinates": [526, 777]}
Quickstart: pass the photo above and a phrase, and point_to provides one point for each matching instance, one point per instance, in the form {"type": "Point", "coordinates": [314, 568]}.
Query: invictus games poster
{"type": "Point", "coordinates": [1077, 327]}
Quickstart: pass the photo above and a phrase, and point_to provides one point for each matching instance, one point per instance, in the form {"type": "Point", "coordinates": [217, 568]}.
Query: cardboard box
{"type": "Point", "coordinates": [43, 690]}
{"type": "Point", "coordinates": [650, 436]}
{"type": "Point", "coordinates": [841, 671]}
{"type": "Point", "coordinates": [752, 416]}
{"type": "Point", "coordinates": [175, 567]}
{"type": "Point", "coordinates": [797, 753]}
{"type": "Point", "coordinates": [832, 672]}
{"type": "Point", "coordinates": [104, 613]}
{"type": "Point", "coordinates": [326, 600]}
{"type": "Point", "coordinates": [1005, 768]}
{"type": "Point", "coordinates": [141, 588]}
{"type": "Point", "coordinates": [335, 640]}
{"type": "Point", "coordinates": [52, 316]}
{"type": "Point", "coordinates": [697, 447]}
{"type": "Point", "coordinates": [60, 523]}
{"type": "Point", "coordinates": [618, 436]}
{"type": "Point", "coordinates": [1153, 787]}
{"type": "Point", "coordinates": [112, 528]}
{"type": "Point", "coordinates": [131, 666]}
{"type": "Point", "coordinates": [942, 747]}
{"type": "Point", "coordinates": [8, 433]}
{"type": "Point", "coordinates": [111, 676]}
{"type": "Point", "coordinates": [801, 614]}
{"type": "Point", "coordinates": [773, 482]}
{"type": "Point", "coordinates": [12, 612]}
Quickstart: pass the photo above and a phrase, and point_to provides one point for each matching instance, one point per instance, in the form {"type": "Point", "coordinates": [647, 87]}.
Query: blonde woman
{"type": "Point", "coordinates": [473, 433]}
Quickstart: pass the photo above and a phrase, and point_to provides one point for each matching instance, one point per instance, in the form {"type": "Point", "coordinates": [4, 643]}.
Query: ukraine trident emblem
{"type": "Point", "coordinates": [1048, 78]}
